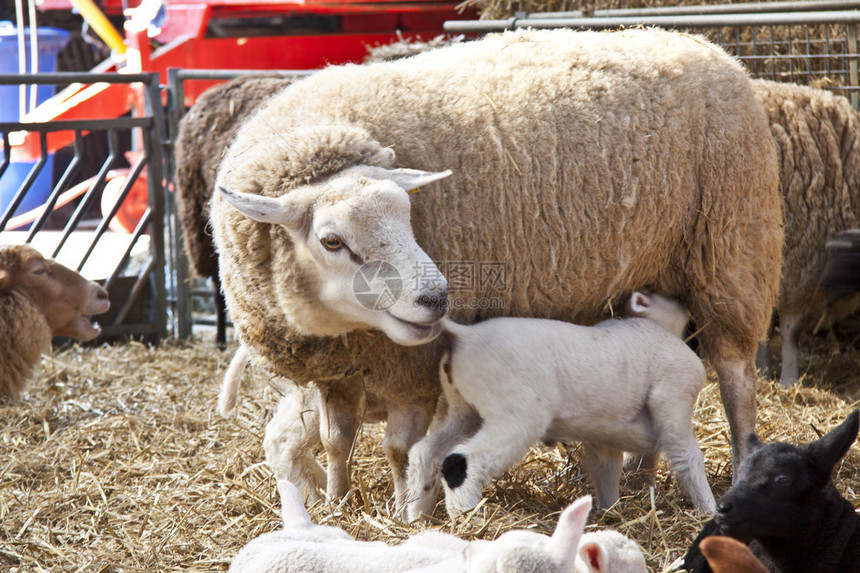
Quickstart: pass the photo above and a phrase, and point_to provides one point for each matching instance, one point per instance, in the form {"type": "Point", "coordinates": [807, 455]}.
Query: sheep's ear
{"type": "Point", "coordinates": [594, 556]}
{"type": "Point", "coordinates": [5, 280]}
{"type": "Point", "coordinates": [829, 449]}
{"type": "Point", "coordinates": [284, 210]}
{"type": "Point", "coordinates": [639, 303]}
{"type": "Point", "coordinates": [410, 179]}
{"type": "Point", "coordinates": [293, 512]}
{"type": "Point", "coordinates": [753, 443]}
{"type": "Point", "coordinates": [565, 539]}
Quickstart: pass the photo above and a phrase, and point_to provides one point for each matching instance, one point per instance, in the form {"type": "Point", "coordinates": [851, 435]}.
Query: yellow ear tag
{"type": "Point", "coordinates": [414, 191]}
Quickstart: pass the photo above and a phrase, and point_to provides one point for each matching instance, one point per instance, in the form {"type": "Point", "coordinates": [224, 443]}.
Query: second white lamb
{"type": "Point", "coordinates": [626, 385]}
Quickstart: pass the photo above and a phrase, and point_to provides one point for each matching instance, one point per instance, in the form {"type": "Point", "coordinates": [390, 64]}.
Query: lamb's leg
{"type": "Point", "coordinates": [340, 418]}
{"type": "Point", "coordinates": [789, 330]}
{"type": "Point", "coordinates": [290, 438]}
{"type": "Point", "coordinates": [454, 420]}
{"type": "Point", "coordinates": [676, 440]}
{"type": "Point", "coordinates": [604, 467]}
{"type": "Point", "coordinates": [406, 424]}
{"type": "Point", "coordinates": [472, 464]}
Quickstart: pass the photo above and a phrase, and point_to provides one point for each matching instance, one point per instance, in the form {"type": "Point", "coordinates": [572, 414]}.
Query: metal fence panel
{"type": "Point", "coordinates": [87, 235]}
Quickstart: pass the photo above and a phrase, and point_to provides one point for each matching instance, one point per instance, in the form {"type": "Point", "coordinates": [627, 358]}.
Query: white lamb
{"type": "Point", "coordinates": [302, 546]}
{"type": "Point", "coordinates": [621, 385]}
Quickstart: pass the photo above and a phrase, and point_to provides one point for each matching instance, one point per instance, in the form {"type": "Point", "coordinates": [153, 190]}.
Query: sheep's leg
{"type": "Point", "coordinates": [454, 421]}
{"type": "Point", "coordinates": [406, 424]}
{"type": "Point", "coordinates": [290, 438]}
{"type": "Point", "coordinates": [789, 330]}
{"type": "Point", "coordinates": [340, 418]}
{"type": "Point", "coordinates": [472, 464]}
{"type": "Point", "coordinates": [737, 390]}
{"type": "Point", "coordinates": [604, 467]}
{"type": "Point", "coordinates": [220, 312]}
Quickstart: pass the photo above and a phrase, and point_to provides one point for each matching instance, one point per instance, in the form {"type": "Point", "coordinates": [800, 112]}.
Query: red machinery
{"type": "Point", "coordinates": [239, 34]}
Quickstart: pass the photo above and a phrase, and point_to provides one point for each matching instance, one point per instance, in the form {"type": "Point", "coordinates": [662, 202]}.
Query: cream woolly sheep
{"type": "Point", "coordinates": [621, 385]}
{"type": "Point", "coordinates": [818, 137]}
{"type": "Point", "coordinates": [40, 298]}
{"type": "Point", "coordinates": [587, 165]}
{"type": "Point", "coordinates": [303, 547]}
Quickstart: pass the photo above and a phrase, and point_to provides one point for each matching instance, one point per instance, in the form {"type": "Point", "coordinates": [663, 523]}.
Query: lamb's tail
{"type": "Point", "coordinates": [229, 394]}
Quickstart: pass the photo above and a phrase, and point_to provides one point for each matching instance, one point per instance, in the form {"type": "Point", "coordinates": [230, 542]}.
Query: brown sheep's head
{"type": "Point", "coordinates": [63, 297]}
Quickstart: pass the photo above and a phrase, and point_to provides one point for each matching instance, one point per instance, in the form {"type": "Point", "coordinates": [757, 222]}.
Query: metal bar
{"type": "Point", "coordinates": [28, 182]}
{"type": "Point", "coordinates": [106, 218]}
{"type": "Point", "coordinates": [853, 75]}
{"type": "Point", "coordinates": [153, 139]}
{"type": "Point", "coordinates": [187, 74]}
{"type": "Point", "coordinates": [136, 290]}
{"type": "Point", "coordinates": [752, 8]}
{"type": "Point", "coordinates": [96, 187]}
{"type": "Point", "coordinates": [181, 275]}
{"type": "Point", "coordinates": [135, 236]}
{"type": "Point", "coordinates": [74, 77]}
{"type": "Point", "coordinates": [77, 125]}
{"type": "Point", "coordinates": [7, 153]}
{"type": "Point", "coordinates": [708, 21]}
{"type": "Point", "coordinates": [63, 184]}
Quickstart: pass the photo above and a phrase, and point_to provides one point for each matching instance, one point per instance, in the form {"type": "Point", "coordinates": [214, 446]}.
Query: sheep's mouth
{"type": "Point", "coordinates": [87, 328]}
{"type": "Point", "coordinates": [421, 330]}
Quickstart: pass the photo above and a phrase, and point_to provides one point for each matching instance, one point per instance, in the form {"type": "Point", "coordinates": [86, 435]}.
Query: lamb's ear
{"type": "Point", "coordinates": [293, 512]}
{"type": "Point", "coordinates": [594, 556]}
{"type": "Point", "coordinates": [639, 303]}
{"type": "Point", "coordinates": [5, 280]}
{"type": "Point", "coordinates": [286, 210]}
{"type": "Point", "coordinates": [410, 179]}
{"type": "Point", "coordinates": [565, 539]}
{"type": "Point", "coordinates": [829, 449]}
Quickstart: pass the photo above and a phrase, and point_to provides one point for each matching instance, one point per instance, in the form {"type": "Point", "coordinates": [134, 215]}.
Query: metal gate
{"type": "Point", "coordinates": [89, 223]}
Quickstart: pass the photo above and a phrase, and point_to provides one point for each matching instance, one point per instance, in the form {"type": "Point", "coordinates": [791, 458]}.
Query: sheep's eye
{"type": "Point", "coordinates": [332, 242]}
{"type": "Point", "coordinates": [782, 480]}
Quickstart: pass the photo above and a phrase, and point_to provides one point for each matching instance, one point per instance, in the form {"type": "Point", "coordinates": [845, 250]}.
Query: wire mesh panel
{"type": "Point", "coordinates": [95, 204]}
{"type": "Point", "coordinates": [817, 48]}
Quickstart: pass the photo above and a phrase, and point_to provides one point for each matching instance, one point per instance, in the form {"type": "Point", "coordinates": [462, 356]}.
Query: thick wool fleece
{"type": "Point", "coordinates": [818, 137]}
{"type": "Point", "coordinates": [205, 133]}
{"type": "Point", "coordinates": [24, 332]}
{"type": "Point", "coordinates": [587, 164]}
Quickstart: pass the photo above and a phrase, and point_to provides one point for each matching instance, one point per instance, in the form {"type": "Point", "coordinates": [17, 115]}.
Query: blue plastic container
{"type": "Point", "coordinates": [50, 42]}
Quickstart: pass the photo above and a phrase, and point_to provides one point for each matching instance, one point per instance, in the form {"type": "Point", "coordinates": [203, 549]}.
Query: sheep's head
{"type": "Point", "coordinates": [64, 298]}
{"type": "Point", "coordinates": [352, 236]}
{"type": "Point", "coordinates": [522, 550]}
{"type": "Point", "coordinates": [780, 486]}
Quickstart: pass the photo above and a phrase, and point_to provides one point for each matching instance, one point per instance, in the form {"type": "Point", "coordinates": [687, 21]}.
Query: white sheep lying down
{"type": "Point", "coordinates": [621, 385]}
{"type": "Point", "coordinates": [585, 165]}
{"type": "Point", "coordinates": [303, 547]}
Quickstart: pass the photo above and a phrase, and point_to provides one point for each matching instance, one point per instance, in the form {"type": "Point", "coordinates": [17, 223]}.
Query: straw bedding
{"type": "Point", "coordinates": [117, 461]}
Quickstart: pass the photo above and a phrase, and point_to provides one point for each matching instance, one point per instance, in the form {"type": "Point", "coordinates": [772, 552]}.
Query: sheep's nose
{"type": "Point", "coordinates": [102, 293]}
{"type": "Point", "coordinates": [437, 302]}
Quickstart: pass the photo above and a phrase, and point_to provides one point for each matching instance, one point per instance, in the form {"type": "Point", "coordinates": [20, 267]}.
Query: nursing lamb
{"type": "Point", "coordinates": [40, 298]}
{"type": "Point", "coordinates": [621, 385]}
{"type": "Point", "coordinates": [586, 165]}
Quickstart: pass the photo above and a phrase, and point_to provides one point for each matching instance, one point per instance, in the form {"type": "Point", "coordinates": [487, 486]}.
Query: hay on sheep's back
{"type": "Point", "coordinates": [116, 460]}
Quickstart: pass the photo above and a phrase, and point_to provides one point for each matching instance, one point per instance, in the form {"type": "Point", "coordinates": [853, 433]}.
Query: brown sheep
{"type": "Point", "coordinates": [818, 137]}
{"type": "Point", "coordinates": [728, 555]}
{"type": "Point", "coordinates": [40, 298]}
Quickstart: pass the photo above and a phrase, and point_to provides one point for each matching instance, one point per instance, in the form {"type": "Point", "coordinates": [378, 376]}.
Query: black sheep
{"type": "Point", "coordinates": [786, 507]}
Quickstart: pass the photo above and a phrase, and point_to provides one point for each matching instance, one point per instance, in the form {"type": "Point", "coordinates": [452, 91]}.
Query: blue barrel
{"type": "Point", "coordinates": [50, 42]}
